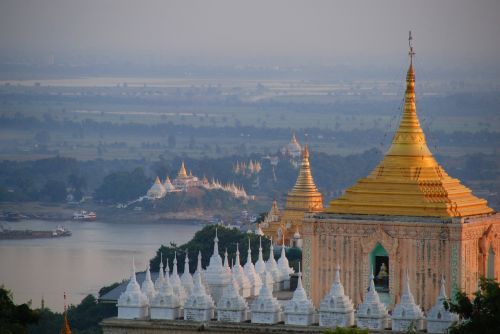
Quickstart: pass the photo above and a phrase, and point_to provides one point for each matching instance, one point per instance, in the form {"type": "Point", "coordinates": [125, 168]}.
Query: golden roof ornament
{"type": "Point", "coordinates": [182, 171]}
{"type": "Point", "coordinates": [65, 329]}
{"type": "Point", "coordinates": [409, 181]}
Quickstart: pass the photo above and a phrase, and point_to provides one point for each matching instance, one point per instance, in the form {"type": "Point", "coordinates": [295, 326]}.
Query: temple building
{"type": "Point", "coordinates": [292, 149]}
{"type": "Point", "coordinates": [407, 214]}
{"type": "Point", "coordinates": [304, 197]}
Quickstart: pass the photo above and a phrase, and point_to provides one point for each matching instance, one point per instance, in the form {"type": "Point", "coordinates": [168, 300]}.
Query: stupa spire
{"type": "Point", "coordinates": [65, 327]}
{"type": "Point", "coordinates": [182, 171]}
{"type": "Point", "coordinates": [409, 181]}
{"type": "Point", "coordinates": [161, 276]}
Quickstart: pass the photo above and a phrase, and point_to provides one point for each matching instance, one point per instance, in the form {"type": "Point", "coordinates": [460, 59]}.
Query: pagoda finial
{"type": "Point", "coordinates": [411, 53]}
{"type": "Point", "coordinates": [65, 327]}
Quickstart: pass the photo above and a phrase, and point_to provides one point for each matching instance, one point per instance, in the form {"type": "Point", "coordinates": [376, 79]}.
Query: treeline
{"type": "Point", "coordinates": [342, 138]}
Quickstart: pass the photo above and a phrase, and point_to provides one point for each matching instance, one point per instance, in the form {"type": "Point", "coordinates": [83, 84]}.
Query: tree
{"type": "Point", "coordinates": [123, 186]}
{"type": "Point", "coordinates": [480, 315]}
{"type": "Point", "coordinates": [54, 191]}
{"type": "Point", "coordinates": [14, 319]}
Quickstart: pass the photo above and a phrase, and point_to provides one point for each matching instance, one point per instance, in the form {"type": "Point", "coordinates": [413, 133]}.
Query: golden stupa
{"type": "Point", "coordinates": [304, 197]}
{"type": "Point", "coordinates": [409, 181]}
{"type": "Point", "coordinates": [182, 174]}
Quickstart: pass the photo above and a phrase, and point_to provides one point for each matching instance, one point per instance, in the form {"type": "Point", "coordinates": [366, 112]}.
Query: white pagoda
{"type": "Point", "coordinates": [372, 313]}
{"type": "Point", "coordinates": [266, 309]}
{"type": "Point", "coordinates": [216, 275]}
{"type": "Point", "coordinates": [252, 275]}
{"type": "Point", "coordinates": [132, 304]}
{"type": "Point", "coordinates": [199, 305]}
{"type": "Point", "coordinates": [148, 287]}
{"type": "Point", "coordinates": [261, 269]}
{"type": "Point", "coordinates": [284, 268]}
{"type": "Point", "coordinates": [166, 304]}
{"type": "Point", "coordinates": [156, 191]}
{"type": "Point", "coordinates": [407, 314]}
{"type": "Point", "coordinates": [272, 268]}
{"type": "Point", "coordinates": [440, 319]}
{"type": "Point", "coordinates": [232, 306]}
{"type": "Point", "coordinates": [300, 310]}
{"type": "Point", "coordinates": [244, 285]}
{"type": "Point", "coordinates": [175, 280]}
{"type": "Point", "coordinates": [186, 278]}
{"type": "Point", "coordinates": [161, 275]}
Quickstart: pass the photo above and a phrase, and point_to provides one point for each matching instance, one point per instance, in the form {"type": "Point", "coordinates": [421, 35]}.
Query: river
{"type": "Point", "coordinates": [97, 254]}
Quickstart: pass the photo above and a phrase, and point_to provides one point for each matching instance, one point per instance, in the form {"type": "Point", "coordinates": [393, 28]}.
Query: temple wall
{"type": "Point", "coordinates": [427, 249]}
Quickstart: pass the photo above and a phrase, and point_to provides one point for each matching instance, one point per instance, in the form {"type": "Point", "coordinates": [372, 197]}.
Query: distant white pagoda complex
{"type": "Point", "coordinates": [407, 313]}
{"type": "Point", "coordinates": [199, 305]}
{"type": "Point", "coordinates": [133, 304]}
{"type": "Point", "coordinates": [244, 285]}
{"type": "Point", "coordinates": [439, 318]}
{"type": "Point", "coordinates": [300, 309]}
{"type": "Point", "coordinates": [185, 181]}
{"type": "Point", "coordinates": [266, 309]}
{"type": "Point", "coordinates": [232, 307]}
{"type": "Point", "coordinates": [186, 278]}
{"type": "Point", "coordinates": [166, 304]}
{"type": "Point", "coordinates": [336, 309]}
{"type": "Point", "coordinates": [216, 276]}
{"type": "Point", "coordinates": [252, 275]}
{"type": "Point", "coordinates": [372, 313]}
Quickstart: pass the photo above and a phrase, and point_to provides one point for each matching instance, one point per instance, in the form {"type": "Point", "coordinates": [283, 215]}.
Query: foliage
{"type": "Point", "coordinates": [480, 315]}
{"type": "Point", "coordinates": [14, 319]}
{"type": "Point", "coordinates": [123, 186]}
{"type": "Point", "coordinates": [54, 191]}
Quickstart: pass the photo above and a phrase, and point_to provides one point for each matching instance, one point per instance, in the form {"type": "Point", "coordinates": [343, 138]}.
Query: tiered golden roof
{"type": "Point", "coordinates": [304, 196]}
{"type": "Point", "coordinates": [65, 329]}
{"type": "Point", "coordinates": [409, 181]}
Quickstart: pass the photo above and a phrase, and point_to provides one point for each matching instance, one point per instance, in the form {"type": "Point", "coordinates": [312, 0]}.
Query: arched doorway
{"type": "Point", "coordinates": [379, 264]}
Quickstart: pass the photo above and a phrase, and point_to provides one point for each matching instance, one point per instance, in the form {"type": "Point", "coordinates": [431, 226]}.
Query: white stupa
{"type": "Point", "coordinates": [226, 263]}
{"type": "Point", "coordinates": [372, 313]}
{"type": "Point", "coordinates": [284, 268]}
{"type": "Point", "coordinates": [161, 275]}
{"type": "Point", "coordinates": [260, 268]}
{"type": "Point", "coordinates": [216, 276]}
{"type": "Point", "coordinates": [407, 314]}
{"type": "Point", "coordinates": [148, 287]}
{"type": "Point", "coordinates": [300, 310]}
{"type": "Point", "coordinates": [175, 280]}
{"type": "Point", "coordinates": [244, 285]}
{"type": "Point", "coordinates": [186, 278]}
{"type": "Point", "coordinates": [336, 309]}
{"type": "Point", "coordinates": [440, 319]}
{"type": "Point", "coordinates": [132, 304]}
{"type": "Point", "coordinates": [156, 191]}
{"type": "Point", "coordinates": [252, 275]}
{"type": "Point", "coordinates": [168, 186]}
{"type": "Point", "coordinates": [232, 306]}
{"type": "Point", "coordinates": [166, 304]}
{"type": "Point", "coordinates": [199, 305]}
{"type": "Point", "coordinates": [272, 268]}
{"type": "Point", "coordinates": [265, 308]}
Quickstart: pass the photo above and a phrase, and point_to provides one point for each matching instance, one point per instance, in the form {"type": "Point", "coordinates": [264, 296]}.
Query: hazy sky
{"type": "Point", "coordinates": [460, 32]}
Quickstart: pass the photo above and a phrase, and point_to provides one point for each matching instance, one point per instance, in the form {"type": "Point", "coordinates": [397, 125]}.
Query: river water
{"type": "Point", "coordinates": [97, 254]}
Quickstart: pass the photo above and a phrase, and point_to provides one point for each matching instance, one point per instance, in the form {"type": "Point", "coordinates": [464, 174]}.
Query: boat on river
{"type": "Point", "coordinates": [6, 233]}
{"type": "Point", "coordinates": [84, 215]}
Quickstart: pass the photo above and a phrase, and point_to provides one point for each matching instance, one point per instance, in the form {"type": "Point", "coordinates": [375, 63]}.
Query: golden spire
{"type": "Point", "coordinates": [65, 329]}
{"type": "Point", "coordinates": [409, 181]}
{"type": "Point", "coordinates": [304, 196]}
{"type": "Point", "coordinates": [182, 171]}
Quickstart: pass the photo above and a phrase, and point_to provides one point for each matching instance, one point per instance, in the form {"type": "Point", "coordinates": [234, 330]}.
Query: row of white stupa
{"type": "Point", "coordinates": [219, 292]}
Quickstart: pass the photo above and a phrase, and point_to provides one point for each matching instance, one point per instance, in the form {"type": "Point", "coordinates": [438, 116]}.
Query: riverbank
{"type": "Point", "coordinates": [110, 214]}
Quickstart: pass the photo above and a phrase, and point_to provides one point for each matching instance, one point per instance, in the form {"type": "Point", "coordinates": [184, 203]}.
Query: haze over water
{"type": "Point", "coordinates": [96, 255]}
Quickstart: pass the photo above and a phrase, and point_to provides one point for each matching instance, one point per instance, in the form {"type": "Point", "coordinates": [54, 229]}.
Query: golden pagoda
{"type": "Point", "coordinates": [182, 174]}
{"type": "Point", "coordinates": [304, 197]}
{"type": "Point", "coordinates": [65, 329]}
{"type": "Point", "coordinates": [409, 181]}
